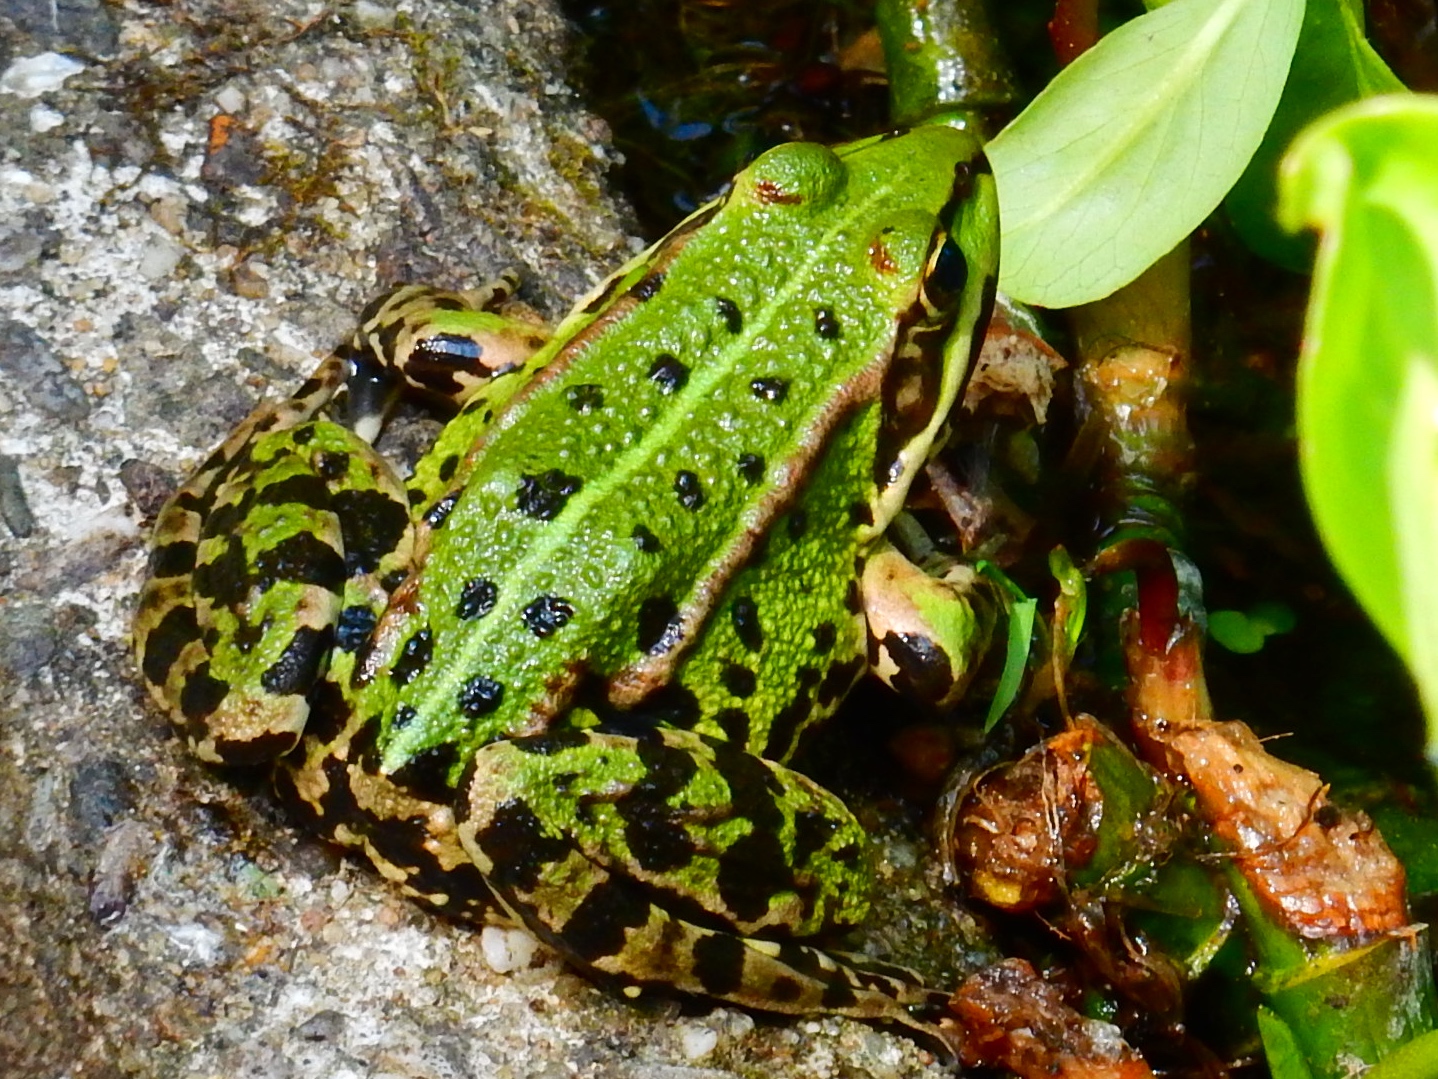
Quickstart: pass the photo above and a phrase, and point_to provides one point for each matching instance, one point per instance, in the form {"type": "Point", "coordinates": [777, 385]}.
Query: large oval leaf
{"type": "Point", "coordinates": [1135, 143]}
{"type": "Point", "coordinates": [1332, 65]}
{"type": "Point", "coordinates": [1367, 177]}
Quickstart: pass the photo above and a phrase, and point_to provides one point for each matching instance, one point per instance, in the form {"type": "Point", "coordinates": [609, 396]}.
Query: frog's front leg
{"type": "Point", "coordinates": [675, 861]}
{"type": "Point", "coordinates": [928, 629]}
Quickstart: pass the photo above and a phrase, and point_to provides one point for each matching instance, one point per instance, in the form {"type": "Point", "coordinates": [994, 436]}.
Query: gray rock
{"type": "Point", "coordinates": [32, 367]}
{"type": "Point", "coordinates": [78, 24]}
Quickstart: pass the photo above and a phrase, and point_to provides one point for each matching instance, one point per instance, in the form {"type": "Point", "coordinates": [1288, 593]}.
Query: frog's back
{"type": "Point", "coordinates": [595, 526]}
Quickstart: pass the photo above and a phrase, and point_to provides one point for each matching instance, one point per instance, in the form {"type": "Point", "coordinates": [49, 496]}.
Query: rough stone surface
{"type": "Point", "coordinates": [191, 219]}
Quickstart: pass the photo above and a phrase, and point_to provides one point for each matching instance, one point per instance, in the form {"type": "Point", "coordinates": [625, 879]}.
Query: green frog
{"type": "Point", "coordinates": [559, 670]}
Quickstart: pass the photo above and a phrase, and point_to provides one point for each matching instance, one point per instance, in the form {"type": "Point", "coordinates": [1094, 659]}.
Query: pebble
{"type": "Point", "coordinates": [230, 99]}
{"type": "Point", "coordinates": [160, 258]}
{"type": "Point", "coordinates": [14, 508]}
{"type": "Point", "coordinates": [696, 1041]}
{"type": "Point", "coordinates": [507, 950]}
{"type": "Point", "coordinates": [249, 279]}
{"type": "Point", "coordinates": [31, 76]}
{"type": "Point", "coordinates": [43, 119]}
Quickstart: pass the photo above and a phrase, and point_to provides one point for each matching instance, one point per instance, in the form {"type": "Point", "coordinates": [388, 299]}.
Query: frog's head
{"type": "Point", "coordinates": [909, 222]}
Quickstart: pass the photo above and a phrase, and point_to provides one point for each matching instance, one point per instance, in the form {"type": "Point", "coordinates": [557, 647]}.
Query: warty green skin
{"type": "Point", "coordinates": [567, 679]}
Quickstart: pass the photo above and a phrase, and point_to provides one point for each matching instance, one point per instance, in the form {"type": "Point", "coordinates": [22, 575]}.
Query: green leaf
{"type": "Point", "coordinates": [1333, 65]}
{"type": "Point", "coordinates": [1235, 631]}
{"type": "Point", "coordinates": [1367, 177]}
{"type": "Point", "coordinates": [1071, 608]}
{"type": "Point", "coordinates": [1280, 1047]}
{"type": "Point", "coordinates": [1016, 655]}
{"type": "Point", "coordinates": [1416, 1060]}
{"type": "Point", "coordinates": [1021, 611]}
{"type": "Point", "coordinates": [1135, 143]}
{"type": "Point", "coordinates": [1244, 633]}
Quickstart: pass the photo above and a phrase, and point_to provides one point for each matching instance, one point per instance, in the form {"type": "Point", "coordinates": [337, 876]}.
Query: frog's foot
{"type": "Point", "coordinates": [679, 862]}
{"type": "Point", "coordinates": [335, 790]}
{"type": "Point", "coordinates": [278, 549]}
{"type": "Point", "coordinates": [928, 631]}
{"type": "Point", "coordinates": [440, 344]}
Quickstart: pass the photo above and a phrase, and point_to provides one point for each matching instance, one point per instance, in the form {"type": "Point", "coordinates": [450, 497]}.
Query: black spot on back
{"type": "Point", "coordinates": [304, 489]}
{"type": "Point", "coordinates": [738, 680]}
{"type": "Point", "coordinates": [543, 496]}
{"type": "Point", "coordinates": [730, 313]}
{"type": "Point", "coordinates": [745, 615]}
{"type": "Point", "coordinates": [838, 678]}
{"type": "Point", "coordinates": [585, 398]}
{"type": "Point", "coordinates": [668, 373]}
{"type": "Point", "coordinates": [812, 832]}
{"type": "Point", "coordinates": [645, 540]}
{"type": "Point", "coordinates": [426, 775]}
{"type": "Point", "coordinates": [648, 286]}
{"type": "Point", "coordinates": [413, 658]}
{"type": "Point", "coordinates": [302, 558]}
{"type": "Point", "coordinates": [751, 467]}
{"type": "Point", "coordinates": [773, 390]}
{"type": "Point", "coordinates": [824, 637]}
{"type": "Point", "coordinates": [332, 465]}
{"type": "Point", "coordinates": [245, 636]}
{"type": "Point", "coordinates": [476, 599]}
{"type": "Point", "coordinates": [825, 324]}
{"type": "Point", "coordinates": [480, 696]}
{"type": "Point", "coordinates": [546, 615]}
{"type": "Point", "coordinates": [437, 514]}
{"type": "Point", "coordinates": [734, 722]}
{"type": "Point", "coordinates": [299, 664]}
{"type": "Point", "coordinates": [784, 730]}
{"type": "Point", "coordinates": [689, 490]}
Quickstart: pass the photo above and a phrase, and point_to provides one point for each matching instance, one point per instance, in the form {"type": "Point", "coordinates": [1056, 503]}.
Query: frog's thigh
{"type": "Point", "coordinates": [927, 633]}
{"type": "Point", "coordinates": [652, 861]}
{"type": "Point", "coordinates": [292, 548]}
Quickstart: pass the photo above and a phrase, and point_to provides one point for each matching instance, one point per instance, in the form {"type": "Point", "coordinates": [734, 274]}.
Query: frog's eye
{"type": "Point", "coordinates": [947, 273]}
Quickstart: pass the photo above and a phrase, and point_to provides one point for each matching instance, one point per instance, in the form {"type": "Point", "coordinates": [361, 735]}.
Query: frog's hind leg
{"type": "Point", "coordinates": [273, 549]}
{"type": "Point", "coordinates": [286, 543]}
{"type": "Point", "coordinates": [679, 862]}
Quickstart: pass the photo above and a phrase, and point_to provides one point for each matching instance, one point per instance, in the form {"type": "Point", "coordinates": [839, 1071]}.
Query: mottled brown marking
{"type": "Point", "coordinates": [771, 194]}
